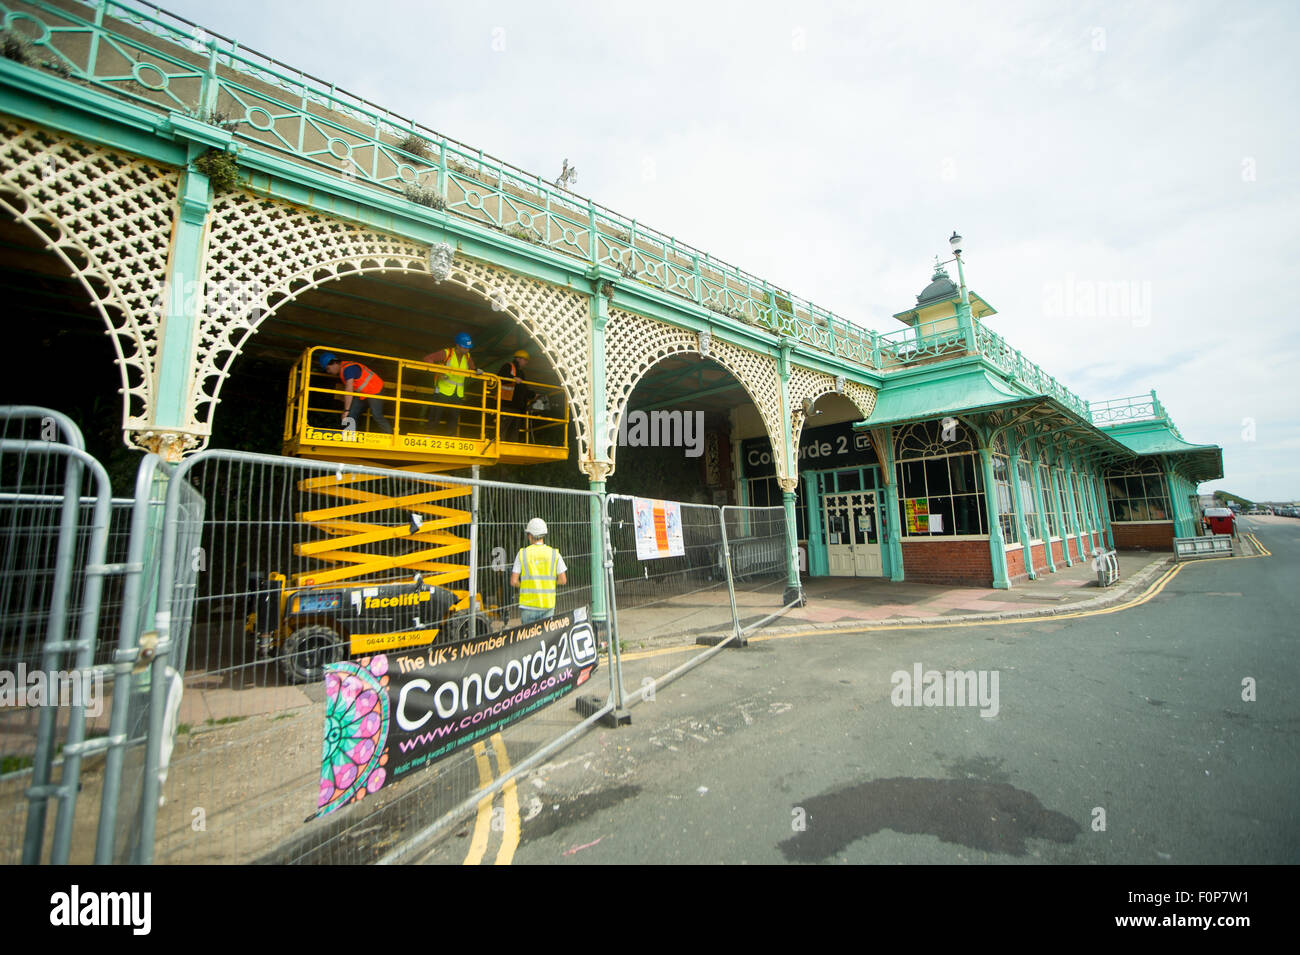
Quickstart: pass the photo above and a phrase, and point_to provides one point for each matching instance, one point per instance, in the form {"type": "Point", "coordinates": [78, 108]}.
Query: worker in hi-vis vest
{"type": "Point", "coordinates": [514, 395]}
{"type": "Point", "coordinates": [361, 384]}
{"type": "Point", "coordinates": [449, 387]}
{"type": "Point", "coordinates": [538, 568]}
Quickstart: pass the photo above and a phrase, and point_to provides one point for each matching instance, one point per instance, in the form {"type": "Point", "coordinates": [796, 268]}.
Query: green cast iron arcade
{"type": "Point", "coordinates": [197, 191]}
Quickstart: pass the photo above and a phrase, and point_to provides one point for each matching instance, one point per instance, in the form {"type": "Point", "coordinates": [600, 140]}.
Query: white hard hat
{"type": "Point", "coordinates": [537, 527]}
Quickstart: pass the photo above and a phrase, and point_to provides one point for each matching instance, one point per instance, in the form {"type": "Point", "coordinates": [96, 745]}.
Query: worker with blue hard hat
{"type": "Point", "coordinates": [449, 385]}
{"type": "Point", "coordinates": [360, 384]}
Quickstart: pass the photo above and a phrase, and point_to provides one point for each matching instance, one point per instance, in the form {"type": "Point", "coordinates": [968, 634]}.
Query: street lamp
{"type": "Point", "coordinates": [956, 241]}
{"type": "Point", "coordinates": [964, 320]}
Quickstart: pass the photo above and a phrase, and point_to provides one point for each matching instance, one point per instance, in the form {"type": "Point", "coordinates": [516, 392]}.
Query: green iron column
{"type": "Point", "coordinates": [788, 479]}
{"type": "Point", "coordinates": [884, 441]}
{"type": "Point", "coordinates": [1182, 525]}
{"type": "Point", "coordinates": [599, 464]}
{"type": "Point", "coordinates": [997, 546]}
{"type": "Point", "coordinates": [1046, 528]}
{"type": "Point", "coordinates": [1013, 465]}
{"type": "Point", "coordinates": [182, 309]}
{"type": "Point", "coordinates": [1103, 502]}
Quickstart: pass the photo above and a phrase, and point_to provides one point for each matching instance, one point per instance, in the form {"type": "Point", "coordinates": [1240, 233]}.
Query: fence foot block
{"type": "Point", "coordinates": [713, 641]}
{"type": "Point", "coordinates": [587, 705]}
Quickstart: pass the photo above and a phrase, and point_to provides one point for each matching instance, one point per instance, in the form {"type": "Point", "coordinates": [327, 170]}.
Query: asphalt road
{"type": "Point", "coordinates": [1115, 737]}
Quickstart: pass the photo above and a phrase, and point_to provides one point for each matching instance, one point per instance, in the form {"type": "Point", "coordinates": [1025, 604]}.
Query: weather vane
{"type": "Point", "coordinates": [568, 176]}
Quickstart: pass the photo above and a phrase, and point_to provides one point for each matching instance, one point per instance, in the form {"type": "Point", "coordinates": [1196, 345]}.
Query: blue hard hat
{"type": "Point", "coordinates": [327, 359]}
{"type": "Point", "coordinates": [464, 341]}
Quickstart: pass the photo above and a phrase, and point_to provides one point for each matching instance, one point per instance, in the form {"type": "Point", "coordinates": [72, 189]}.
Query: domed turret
{"type": "Point", "coordinates": [939, 300]}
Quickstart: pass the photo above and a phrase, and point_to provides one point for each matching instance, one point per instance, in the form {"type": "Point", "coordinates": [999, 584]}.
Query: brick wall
{"type": "Point", "coordinates": [948, 562]}
{"type": "Point", "coordinates": [1016, 564]}
{"type": "Point", "coordinates": [1058, 555]}
{"type": "Point", "coordinates": [1159, 536]}
{"type": "Point", "coordinates": [1040, 559]}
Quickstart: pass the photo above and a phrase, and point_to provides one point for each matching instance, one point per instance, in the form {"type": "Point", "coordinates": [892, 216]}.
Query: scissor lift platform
{"type": "Point", "coordinates": [313, 419]}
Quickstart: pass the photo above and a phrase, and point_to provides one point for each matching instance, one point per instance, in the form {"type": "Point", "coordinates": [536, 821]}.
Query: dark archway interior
{"type": "Point", "coordinates": [657, 413]}
{"type": "Point", "coordinates": [59, 349]}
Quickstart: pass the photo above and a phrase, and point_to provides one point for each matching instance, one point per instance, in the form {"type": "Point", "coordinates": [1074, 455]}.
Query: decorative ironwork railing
{"type": "Point", "coordinates": [1146, 407]}
{"type": "Point", "coordinates": [1009, 360]}
{"type": "Point", "coordinates": [163, 62]}
{"type": "Point", "coordinates": [925, 342]}
{"type": "Point", "coordinates": [160, 60]}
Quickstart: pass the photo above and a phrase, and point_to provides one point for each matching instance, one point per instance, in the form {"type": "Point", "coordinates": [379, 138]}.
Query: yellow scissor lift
{"type": "Point", "coordinates": [387, 583]}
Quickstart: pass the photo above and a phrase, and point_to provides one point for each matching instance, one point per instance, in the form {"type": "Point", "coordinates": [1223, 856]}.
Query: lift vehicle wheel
{"type": "Point", "coordinates": [307, 650]}
{"type": "Point", "coordinates": [458, 625]}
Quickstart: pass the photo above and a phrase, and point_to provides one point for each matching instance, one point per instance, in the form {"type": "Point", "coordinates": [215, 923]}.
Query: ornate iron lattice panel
{"type": "Point", "coordinates": [262, 254]}
{"type": "Point", "coordinates": [634, 344]}
{"type": "Point", "coordinates": [109, 218]}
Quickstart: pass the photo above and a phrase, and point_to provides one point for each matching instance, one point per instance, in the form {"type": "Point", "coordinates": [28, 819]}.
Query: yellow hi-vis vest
{"type": "Point", "coordinates": [537, 564]}
{"type": "Point", "coordinates": [454, 383]}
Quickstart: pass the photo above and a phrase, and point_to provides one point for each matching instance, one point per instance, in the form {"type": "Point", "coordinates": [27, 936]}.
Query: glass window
{"type": "Point", "coordinates": [1006, 507]}
{"type": "Point", "coordinates": [1028, 503]}
{"type": "Point", "coordinates": [1062, 501]}
{"type": "Point", "coordinates": [1137, 492]}
{"type": "Point", "coordinates": [939, 486]}
{"type": "Point", "coordinates": [1052, 516]}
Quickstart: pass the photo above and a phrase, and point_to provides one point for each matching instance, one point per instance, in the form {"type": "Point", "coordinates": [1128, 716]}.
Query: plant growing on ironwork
{"type": "Point", "coordinates": [14, 46]}
{"type": "Point", "coordinates": [220, 168]}
{"type": "Point", "coordinates": [221, 118]}
{"type": "Point", "coordinates": [414, 145]}
{"type": "Point", "coordinates": [522, 234]}
{"type": "Point", "coordinates": [424, 196]}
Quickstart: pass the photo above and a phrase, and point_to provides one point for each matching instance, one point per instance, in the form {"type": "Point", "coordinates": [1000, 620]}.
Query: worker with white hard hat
{"type": "Point", "coordinates": [537, 569]}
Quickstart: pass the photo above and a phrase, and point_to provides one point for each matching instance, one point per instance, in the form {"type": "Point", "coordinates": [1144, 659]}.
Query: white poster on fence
{"type": "Point", "coordinates": [658, 529]}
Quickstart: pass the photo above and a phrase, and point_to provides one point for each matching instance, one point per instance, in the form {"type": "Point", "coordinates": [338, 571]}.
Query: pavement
{"type": "Point", "coordinates": [836, 603]}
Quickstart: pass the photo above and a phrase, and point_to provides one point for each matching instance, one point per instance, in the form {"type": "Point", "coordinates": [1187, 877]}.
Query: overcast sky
{"type": "Point", "coordinates": [832, 148]}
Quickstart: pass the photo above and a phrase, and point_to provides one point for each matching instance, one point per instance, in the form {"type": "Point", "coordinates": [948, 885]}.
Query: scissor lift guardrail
{"type": "Point", "coordinates": [313, 425]}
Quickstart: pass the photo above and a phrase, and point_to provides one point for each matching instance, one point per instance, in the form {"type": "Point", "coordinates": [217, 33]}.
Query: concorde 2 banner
{"type": "Point", "coordinates": [389, 714]}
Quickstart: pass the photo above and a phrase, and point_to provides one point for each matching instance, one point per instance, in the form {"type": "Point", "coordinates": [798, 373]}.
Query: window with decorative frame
{"type": "Point", "coordinates": [1080, 515]}
{"type": "Point", "coordinates": [1062, 501]}
{"type": "Point", "coordinates": [1028, 503]}
{"type": "Point", "coordinates": [1098, 503]}
{"type": "Point", "coordinates": [940, 481]}
{"type": "Point", "coordinates": [1052, 512]}
{"type": "Point", "coordinates": [1137, 492]}
{"type": "Point", "coordinates": [1002, 492]}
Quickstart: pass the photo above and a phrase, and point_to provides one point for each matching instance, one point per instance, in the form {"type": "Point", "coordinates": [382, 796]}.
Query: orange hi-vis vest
{"type": "Point", "coordinates": [367, 384]}
{"type": "Point", "coordinates": [508, 384]}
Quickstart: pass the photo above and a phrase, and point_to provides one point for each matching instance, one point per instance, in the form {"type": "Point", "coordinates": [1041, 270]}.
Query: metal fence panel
{"type": "Point", "coordinates": [758, 542]}
{"type": "Point", "coordinates": [285, 557]}
{"type": "Point", "coordinates": [55, 515]}
{"type": "Point", "coordinates": [669, 598]}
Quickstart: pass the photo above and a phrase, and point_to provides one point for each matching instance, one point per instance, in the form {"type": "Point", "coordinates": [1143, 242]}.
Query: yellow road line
{"type": "Point", "coordinates": [483, 822]}
{"type": "Point", "coordinates": [510, 797]}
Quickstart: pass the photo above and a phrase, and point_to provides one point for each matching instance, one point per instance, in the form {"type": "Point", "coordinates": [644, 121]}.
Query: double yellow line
{"type": "Point", "coordinates": [509, 817]}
